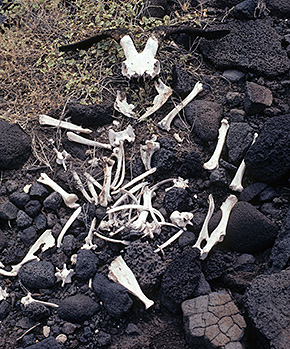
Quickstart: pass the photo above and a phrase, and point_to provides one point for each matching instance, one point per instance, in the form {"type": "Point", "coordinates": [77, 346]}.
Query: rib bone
{"type": "Point", "coordinates": [165, 123]}
{"type": "Point", "coordinates": [79, 139]}
{"type": "Point", "coordinates": [213, 162]}
{"type": "Point", "coordinates": [120, 272]}
{"type": "Point", "coordinates": [48, 120]}
{"type": "Point", "coordinates": [69, 199]}
{"type": "Point", "coordinates": [81, 187]}
{"type": "Point", "coordinates": [67, 225]}
{"type": "Point", "coordinates": [29, 299]}
{"type": "Point", "coordinates": [164, 92]}
{"type": "Point", "coordinates": [236, 183]}
{"type": "Point", "coordinates": [105, 197]}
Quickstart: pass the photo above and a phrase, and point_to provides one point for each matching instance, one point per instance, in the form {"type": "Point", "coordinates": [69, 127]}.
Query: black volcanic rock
{"type": "Point", "coordinates": [37, 274]}
{"type": "Point", "coordinates": [268, 159]}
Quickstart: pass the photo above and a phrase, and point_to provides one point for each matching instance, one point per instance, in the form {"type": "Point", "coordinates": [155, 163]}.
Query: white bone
{"type": "Point", "coordinates": [29, 299]}
{"type": "Point", "coordinates": [69, 199]}
{"type": "Point", "coordinates": [213, 162]}
{"type": "Point", "coordinates": [64, 275]}
{"type": "Point", "coordinates": [169, 241]}
{"type": "Point", "coordinates": [181, 219]}
{"type": "Point", "coordinates": [93, 180]}
{"type": "Point", "coordinates": [93, 192]}
{"type": "Point", "coordinates": [3, 293]}
{"type": "Point", "coordinates": [122, 106]}
{"type": "Point", "coordinates": [164, 92]}
{"type": "Point", "coordinates": [48, 120]}
{"type": "Point", "coordinates": [123, 242]}
{"type": "Point", "coordinates": [26, 188]}
{"type": "Point", "coordinates": [220, 231]}
{"type": "Point", "coordinates": [62, 157]}
{"type": "Point", "coordinates": [236, 183]}
{"type": "Point", "coordinates": [120, 272]}
{"type": "Point", "coordinates": [81, 187]}
{"type": "Point", "coordinates": [119, 177]}
{"type": "Point", "coordinates": [179, 183]}
{"type": "Point", "coordinates": [45, 241]}
{"type": "Point", "coordinates": [67, 225]}
{"type": "Point", "coordinates": [139, 64]}
{"type": "Point", "coordinates": [79, 139]}
{"type": "Point", "coordinates": [147, 151]}
{"type": "Point", "coordinates": [165, 123]}
{"type": "Point", "coordinates": [105, 196]}
{"type": "Point", "coordinates": [115, 138]}
{"type": "Point", "coordinates": [88, 245]}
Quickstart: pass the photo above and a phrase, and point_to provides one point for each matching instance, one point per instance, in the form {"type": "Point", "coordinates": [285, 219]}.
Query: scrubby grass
{"type": "Point", "coordinates": [36, 77]}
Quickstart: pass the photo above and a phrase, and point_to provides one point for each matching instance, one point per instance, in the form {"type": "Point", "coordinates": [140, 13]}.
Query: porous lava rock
{"type": "Point", "coordinates": [8, 210]}
{"type": "Point", "coordinates": [15, 146]}
{"type": "Point", "coordinates": [257, 98]}
{"type": "Point", "coordinates": [177, 199]}
{"type": "Point", "coordinates": [35, 311]}
{"type": "Point", "coordinates": [279, 8]}
{"type": "Point", "coordinates": [239, 138]}
{"type": "Point", "coordinates": [248, 230]}
{"type": "Point", "coordinates": [86, 265]}
{"type": "Point", "coordinates": [78, 308]}
{"type": "Point", "coordinates": [37, 274]}
{"type": "Point", "coordinates": [251, 46]}
{"type": "Point", "coordinates": [267, 303]}
{"type": "Point", "coordinates": [47, 343]}
{"type": "Point", "coordinates": [114, 297]}
{"type": "Point", "coordinates": [181, 82]}
{"type": "Point", "coordinates": [191, 166]}
{"type": "Point", "coordinates": [268, 159]}
{"type": "Point", "coordinates": [180, 279]}
{"type": "Point", "coordinates": [204, 117]}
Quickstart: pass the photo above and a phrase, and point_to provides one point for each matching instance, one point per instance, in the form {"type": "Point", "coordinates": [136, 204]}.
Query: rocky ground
{"type": "Point", "coordinates": [236, 297]}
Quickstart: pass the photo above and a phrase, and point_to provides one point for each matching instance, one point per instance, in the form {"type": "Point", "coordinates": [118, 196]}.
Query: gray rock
{"type": "Point", "coordinates": [114, 297]}
{"type": "Point", "coordinates": [248, 230]}
{"type": "Point", "coordinates": [23, 220]}
{"type": "Point", "coordinates": [35, 311]}
{"type": "Point", "coordinates": [38, 190]}
{"type": "Point", "coordinates": [257, 98]}
{"type": "Point", "coordinates": [77, 308]}
{"type": "Point", "coordinates": [191, 166]}
{"type": "Point", "coordinates": [268, 194]}
{"type": "Point", "coordinates": [268, 159]}
{"type": "Point", "coordinates": [86, 265]}
{"type": "Point", "coordinates": [205, 116]}
{"type": "Point", "coordinates": [8, 211]}
{"type": "Point", "coordinates": [233, 75]}
{"type": "Point", "coordinates": [233, 99]}
{"type": "Point", "coordinates": [15, 146]}
{"type": "Point", "coordinates": [251, 191]}
{"type": "Point", "coordinates": [32, 208]}
{"type": "Point", "coordinates": [213, 321]}
{"type": "Point", "coordinates": [48, 343]}
{"type": "Point", "coordinates": [164, 160]}
{"type": "Point", "coordinates": [241, 49]}
{"type": "Point", "coordinates": [219, 177]}
{"type": "Point", "coordinates": [239, 138]}
{"type": "Point", "coordinates": [279, 8]}
{"type": "Point", "coordinates": [4, 309]}
{"type": "Point", "coordinates": [237, 115]}
{"type": "Point", "coordinates": [267, 302]}
{"type": "Point", "coordinates": [40, 222]}
{"type": "Point", "coordinates": [3, 240]}
{"type": "Point", "coordinates": [37, 274]}
{"type": "Point", "coordinates": [181, 82]}
{"type": "Point", "coordinates": [177, 199]}
{"type": "Point", "coordinates": [28, 236]}
{"type": "Point", "coordinates": [53, 201]}
{"type": "Point", "coordinates": [245, 9]}
{"type": "Point", "coordinates": [19, 199]}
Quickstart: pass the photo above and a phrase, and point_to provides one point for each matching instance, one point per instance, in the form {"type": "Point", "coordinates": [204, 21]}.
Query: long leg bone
{"type": "Point", "coordinates": [220, 231]}
{"type": "Point", "coordinates": [147, 151]}
{"type": "Point", "coordinates": [213, 162]}
{"type": "Point", "coordinates": [122, 106]}
{"type": "Point", "coordinates": [79, 139]}
{"type": "Point", "coordinates": [120, 272]}
{"type": "Point", "coordinates": [165, 123]}
{"type": "Point", "coordinates": [236, 183]}
{"type": "Point", "coordinates": [67, 225]}
{"type": "Point", "coordinates": [69, 199]}
{"type": "Point", "coordinates": [164, 92]}
{"type": "Point", "coordinates": [48, 120]}
{"type": "Point", "coordinates": [105, 196]}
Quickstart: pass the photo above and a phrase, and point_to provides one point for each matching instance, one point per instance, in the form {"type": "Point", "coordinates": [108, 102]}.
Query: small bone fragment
{"type": "Point", "coordinates": [79, 139]}
{"type": "Point", "coordinates": [115, 138]}
{"type": "Point", "coordinates": [165, 123]}
{"type": "Point", "coordinates": [123, 242]}
{"type": "Point", "coordinates": [64, 275]}
{"type": "Point", "coordinates": [67, 225]}
{"type": "Point", "coordinates": [178, 138]}
{"type": "Point", "coordinates": [236, 183]}
{"type": "Point", "coordinates": [122, 106]}
{"type": "Point", "coordinates": [29, 299]}
{"type": "Point", "coordinates": [179, 183]}
{"type": "Point", "coordinates": [48, 120]}
{"type": "Point", "coordinates": [88, 245]}
{"type": "Point", "coordinates": [181, 219]}
{"type": "Point", "coordinates": [164, 92]}
{"type": "Point", "coordinates": [139, 64]}
{"type": "Point", "coordinates": [105, 196]}
{"type": "Point", "coordinates": [26, 188]}
{"type": "Point", "coordinates": [69, 199]}
{"type": "Point", "coordinates": [120, 272]}
{"type": "Point", "coordinates": [3, 293]}
{"type": "Point", "coordinates": [45, 241]}
{"type": "Point", "coordinates": [213, 162]}
{"type": "Point", "coordinates": [62, 157]}
{"type": "Point", "coordinates": [220, 231]}
{"type": "Point", "coordinates": [169, 241]}
{"type": "Point", "coordinates": [203, 235]}
{"type": "Point", "coordinates": [147, 151]}
{"type": "Point", "coordinates": [81, 187]}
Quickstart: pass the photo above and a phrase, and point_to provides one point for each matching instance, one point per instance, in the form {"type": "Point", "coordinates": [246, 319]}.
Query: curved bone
{"type": "Point", "coordinates": [236, 183]}
{"type": "Point", "coordinates": [119, 177]}
{"type": "Point", "coordinates": [139, 64]}
{"type": "Point", "coordinates": [213, 162]}
{"type": "Point", "coordinates": [164, 92]}
{"type": "Point", "coordinates": [181, 219]}
{"type": "Point", "coordinates": [122, 106]}
{"type": "Point", "coordinates": [147, 151]}
{"type": "Point", "coordinates": [49, 121]}
{"type": "Point", "coordinates": [169, 241]}
{"type": "Point", "coordinates": [67, 225]}
{"type": "Point", "coordinates": [81, 187]}
{"type": "Point", "coordinates": [93, 192]}
{"type": "Point", "coordinates": [69, 199]}
{"type": "Point", "coordinates": [93, 180]}
{"type": "Point", "coordinates": [105, 196]}
{"type": "Point", "coordinates": [165, 123]}
{"type": "Point", "coordinates": [120, 272]}
{"type": "Point", "coordinates": [79, 139]}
